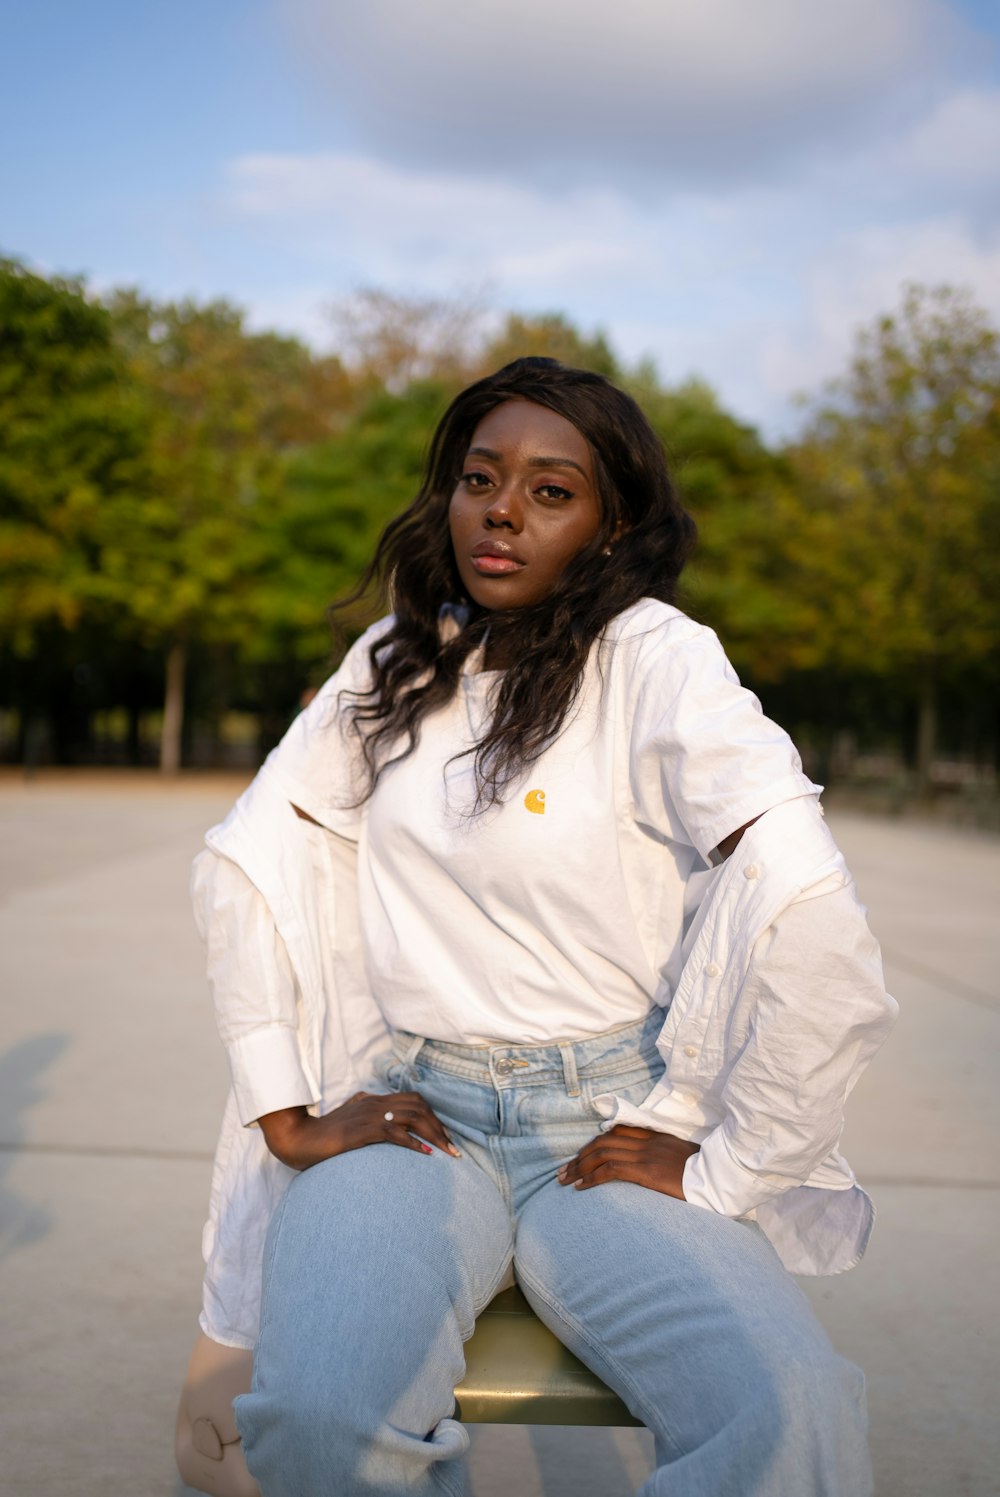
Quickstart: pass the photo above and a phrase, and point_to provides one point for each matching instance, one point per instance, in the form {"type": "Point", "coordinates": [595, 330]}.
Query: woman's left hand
{"type": "Point", "coordinates": [641, 1155]}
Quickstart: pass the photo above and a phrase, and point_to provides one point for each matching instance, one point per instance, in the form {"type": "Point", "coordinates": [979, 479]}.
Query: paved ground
{"type": "Point", "coordinates": [111, 1084]}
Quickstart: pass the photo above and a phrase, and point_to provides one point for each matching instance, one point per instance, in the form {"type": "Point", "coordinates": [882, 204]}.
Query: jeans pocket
{"type": "Point", "coordinates": [632, 1085]}
{"type": "Point", "coordinates": [389, 1071]}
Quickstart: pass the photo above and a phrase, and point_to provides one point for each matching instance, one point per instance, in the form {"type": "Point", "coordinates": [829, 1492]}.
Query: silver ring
{"type": "Point", "coordinates": [388, 1116]}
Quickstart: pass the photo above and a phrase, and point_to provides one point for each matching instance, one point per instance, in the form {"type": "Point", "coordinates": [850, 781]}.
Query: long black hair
{"type": "Point", "coordinates": [416, 665]}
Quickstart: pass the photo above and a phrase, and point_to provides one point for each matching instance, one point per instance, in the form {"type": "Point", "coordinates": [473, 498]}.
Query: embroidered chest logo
{"type": "Point", "coordinates": [535, 802]}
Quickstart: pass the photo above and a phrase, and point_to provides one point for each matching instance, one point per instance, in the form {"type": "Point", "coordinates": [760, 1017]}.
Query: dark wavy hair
{"type": "Point", "coordinates": [416, 665]}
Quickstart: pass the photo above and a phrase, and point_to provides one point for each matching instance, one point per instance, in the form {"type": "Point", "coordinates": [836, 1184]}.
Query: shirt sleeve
{"type": "Point", "coordinates": [253, 990]}
{"type": "Point", "coordinates": [815, 1010]}
{"type": "Point", "coordinates": [704, 760]}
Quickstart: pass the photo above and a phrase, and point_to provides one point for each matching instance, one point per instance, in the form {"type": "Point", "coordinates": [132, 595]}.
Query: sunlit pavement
{"type": "Point", "coordinates": [111, 1087]}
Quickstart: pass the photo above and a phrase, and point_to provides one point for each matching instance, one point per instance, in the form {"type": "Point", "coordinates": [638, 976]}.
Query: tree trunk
{"type": "Point", "coordinates": [133, 737]}
{"type": "Point", "coordinates": [927, 718]}
{"type": "Point", "coordinates": [173, 710]}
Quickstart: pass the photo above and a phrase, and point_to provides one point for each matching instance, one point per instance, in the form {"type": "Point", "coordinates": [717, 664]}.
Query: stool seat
{"type": "Point", "coordinates": [517, 1372]}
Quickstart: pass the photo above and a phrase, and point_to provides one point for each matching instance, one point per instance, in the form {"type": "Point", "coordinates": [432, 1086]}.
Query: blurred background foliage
{"type": "Point", "coordinates": [181, 498]}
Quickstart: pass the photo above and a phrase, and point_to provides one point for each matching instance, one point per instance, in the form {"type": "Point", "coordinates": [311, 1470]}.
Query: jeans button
{"type": "Point", "coordinates": [504, 1067]}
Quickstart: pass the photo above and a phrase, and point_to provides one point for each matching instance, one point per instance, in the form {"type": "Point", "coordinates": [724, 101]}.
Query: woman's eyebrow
{"type": "Point", "coordinates": [534, 462]}
{"type": "Point", "coordinates": [556, 462]}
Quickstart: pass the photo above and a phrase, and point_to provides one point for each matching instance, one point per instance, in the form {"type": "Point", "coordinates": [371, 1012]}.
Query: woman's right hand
{"type": "Point", "coordinates": [299, 1140]}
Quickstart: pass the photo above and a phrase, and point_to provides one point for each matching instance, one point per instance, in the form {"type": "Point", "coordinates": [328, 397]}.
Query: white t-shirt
{"type": "Point", "coordinates": [561, 912]}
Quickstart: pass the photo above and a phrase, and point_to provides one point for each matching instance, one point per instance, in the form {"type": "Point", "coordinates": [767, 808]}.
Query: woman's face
{"type": "Point", "coordinates": [525, 505]}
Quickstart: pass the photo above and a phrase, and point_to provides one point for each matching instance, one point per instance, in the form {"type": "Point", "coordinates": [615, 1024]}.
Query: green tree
{"type": "Point", "coordinates": [71, 436]}
{"type": "Point", "coordinates": [322, 513]}
{"type": "Point", "coordinates": [897, 545]}
{"type": "Point", "coordinates": [736, 488]}
{"type": "Point", "coordinates": [180, 554]}
{"type": "Point", "coordinates": [548, 335]}
{"type": "Point", "coordinates": [390, 341]}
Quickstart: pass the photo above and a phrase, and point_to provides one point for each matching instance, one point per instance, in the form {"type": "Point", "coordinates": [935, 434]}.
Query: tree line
{"type": "Point", "coordinates": [181, 498]}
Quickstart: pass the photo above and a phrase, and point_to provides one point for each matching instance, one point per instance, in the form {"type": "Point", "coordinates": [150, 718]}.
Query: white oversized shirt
{"type": "Point", "coordinates": [776, 993]}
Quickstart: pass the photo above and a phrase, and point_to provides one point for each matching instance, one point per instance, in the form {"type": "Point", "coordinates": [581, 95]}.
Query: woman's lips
{"type": "Point", "coordinates": [493, 565]}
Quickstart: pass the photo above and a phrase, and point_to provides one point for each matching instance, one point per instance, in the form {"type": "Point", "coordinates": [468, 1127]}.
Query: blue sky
{"type": "Point", "coordinates": [731, 187]}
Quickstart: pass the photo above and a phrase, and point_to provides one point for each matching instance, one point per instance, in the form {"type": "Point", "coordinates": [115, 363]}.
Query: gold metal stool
{"type": "Point", "coordinates": [517, 1372]}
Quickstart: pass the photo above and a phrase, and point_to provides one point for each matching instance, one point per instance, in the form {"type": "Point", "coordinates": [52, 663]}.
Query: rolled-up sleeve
{"type": "Point", "coordinates": [253, 990]}
{"type": "Point", "coordinates": [812, 1012]}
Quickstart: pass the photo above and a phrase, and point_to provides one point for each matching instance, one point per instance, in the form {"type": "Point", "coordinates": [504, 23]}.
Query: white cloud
{"type": "Point", "coordinates": [685, 90]}
{"type": "Point", "coordinates": [857, 278]}
{"type": "Point", "coordinates": [761, 347]}
{"type": "Point", "coordinates": [759, 290]}
{"type": "Point", "coordinates": [957, 144]}
{"type": "Point", "coordinates": [864, 277]}
{"type": "Point", "coordinates": [340, 207]}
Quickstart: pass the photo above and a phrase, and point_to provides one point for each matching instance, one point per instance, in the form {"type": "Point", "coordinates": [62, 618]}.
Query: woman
{"type": "Point", "coordinates": [534, 872]}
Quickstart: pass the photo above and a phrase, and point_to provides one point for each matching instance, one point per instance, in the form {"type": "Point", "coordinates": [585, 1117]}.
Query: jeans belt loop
{"type": "Point", "coordinates": [413, 1049]}
{"type": "Point", "coordinates": [572, 1080]}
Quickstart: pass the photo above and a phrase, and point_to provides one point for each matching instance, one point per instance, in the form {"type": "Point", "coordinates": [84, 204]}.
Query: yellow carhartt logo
{"type": "Point", "coordinates": [535, 801]}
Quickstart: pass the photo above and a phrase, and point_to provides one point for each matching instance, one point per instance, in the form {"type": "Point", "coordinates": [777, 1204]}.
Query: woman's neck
{"type": "Point", "coordinates": [501, 645]}
{"type": "Point", "coordinates": [498, 655]}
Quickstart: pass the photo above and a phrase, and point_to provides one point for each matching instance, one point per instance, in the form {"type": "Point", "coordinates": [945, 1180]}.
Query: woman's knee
{"type": "Point", "coordinates": [360, 1320]}
{"type": "Point", "coordinates": [383, 1204]}
{"type": "Point", "coordinates": [373, 1244]}
{"type": "Point", "coordinates": [786, 1367]}
{"type": "Point", "coordinates": [821, 1388]}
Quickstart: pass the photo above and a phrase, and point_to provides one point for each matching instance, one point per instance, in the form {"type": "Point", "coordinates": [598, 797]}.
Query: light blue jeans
{"type": "Point", "coordinates": [379, 1261]}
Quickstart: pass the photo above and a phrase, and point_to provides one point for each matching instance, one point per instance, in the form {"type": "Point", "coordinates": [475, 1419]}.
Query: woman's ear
{"type": "Point", "coordinates": [618, 532]}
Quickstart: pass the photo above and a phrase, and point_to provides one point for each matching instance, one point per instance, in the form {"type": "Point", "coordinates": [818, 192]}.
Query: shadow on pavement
{"type": "Point", "coordinates": [22, 1222]}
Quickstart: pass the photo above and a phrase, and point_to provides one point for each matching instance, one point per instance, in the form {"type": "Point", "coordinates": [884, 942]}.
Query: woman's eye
{"type": "Point", "coordinates": [475, 480]}
{"type": "Point", "coordinates": [554, 491]}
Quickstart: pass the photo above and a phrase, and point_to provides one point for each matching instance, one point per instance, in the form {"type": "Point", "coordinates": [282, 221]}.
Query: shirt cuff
{"type": "Point", "coordinates": [714, 1179]}
{"type": "Point", "coordinates": [268, 1074]}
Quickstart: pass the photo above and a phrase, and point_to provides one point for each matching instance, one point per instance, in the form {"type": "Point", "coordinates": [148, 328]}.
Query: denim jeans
{"type": "Point", "coordinates": [379, 1261]}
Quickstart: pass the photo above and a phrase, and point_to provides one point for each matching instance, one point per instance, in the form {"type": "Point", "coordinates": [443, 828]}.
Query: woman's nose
{"type": "Point", "coordinates": [504, 509]}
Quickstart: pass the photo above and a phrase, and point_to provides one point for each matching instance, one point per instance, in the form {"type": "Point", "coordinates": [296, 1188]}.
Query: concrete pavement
{"type": "Point", "coordinates": [111, 1086]}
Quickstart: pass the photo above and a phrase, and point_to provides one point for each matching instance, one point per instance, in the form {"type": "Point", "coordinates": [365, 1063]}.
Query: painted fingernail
{"type": "Point", "coordinates": [456, 1152]}
{"type": "Point", "coordinates": [427, 1148]}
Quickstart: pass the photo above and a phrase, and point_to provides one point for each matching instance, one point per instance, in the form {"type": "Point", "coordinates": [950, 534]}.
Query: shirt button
{"type": "Point", "coordinates": [690, 1099]}
{"type": "Point", "coordinates": [713, 969]}
{"type": "Point", "coordinates": [690, 1050]}
{"type": "Point", "coordinates": [751, 871]}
